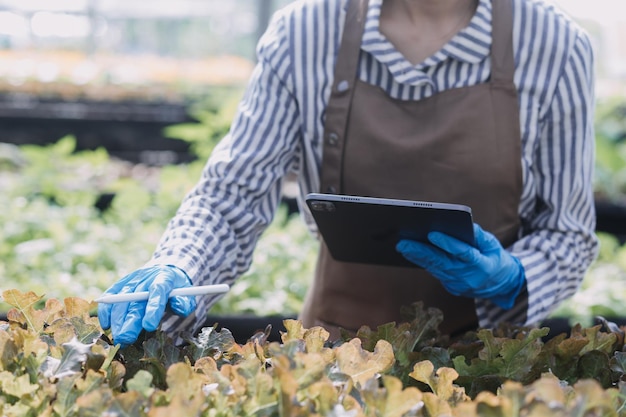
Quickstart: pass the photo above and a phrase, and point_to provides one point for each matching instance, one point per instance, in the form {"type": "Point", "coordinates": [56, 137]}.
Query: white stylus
{"type": "Point", "coordinates": [143, 295]}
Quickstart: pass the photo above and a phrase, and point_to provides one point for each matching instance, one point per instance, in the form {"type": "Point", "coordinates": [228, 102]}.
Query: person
{"type": "Point", "coordinates": [486, 103]}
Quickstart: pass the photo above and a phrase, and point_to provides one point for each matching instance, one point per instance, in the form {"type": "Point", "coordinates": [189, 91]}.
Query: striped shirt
{"type": "Point", "coordinates": [279, 127]}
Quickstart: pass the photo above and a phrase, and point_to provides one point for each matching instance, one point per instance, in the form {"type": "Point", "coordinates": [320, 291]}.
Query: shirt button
{"type": "Point", "coordinates": [332, 139]}
{"type": "Point", "coordinates": [343, 86]}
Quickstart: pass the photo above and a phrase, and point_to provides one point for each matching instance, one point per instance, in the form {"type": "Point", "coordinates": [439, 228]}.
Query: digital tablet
{"type": "Point", "coordinates": [366, 229]}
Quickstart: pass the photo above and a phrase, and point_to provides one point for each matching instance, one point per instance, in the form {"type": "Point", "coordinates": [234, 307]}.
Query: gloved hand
{"type": "Point", "coordinates": [127, 319]}
{"type": "Point", "coordinates": [486, 271]}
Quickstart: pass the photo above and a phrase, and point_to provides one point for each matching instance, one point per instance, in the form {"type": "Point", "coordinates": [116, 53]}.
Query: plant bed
{"type": "Point", "coordinates": [242, 327]}
{"type": "Point", "coordinates": [57, 361]}
{"type": "Point", "coordinates": [245, 325]}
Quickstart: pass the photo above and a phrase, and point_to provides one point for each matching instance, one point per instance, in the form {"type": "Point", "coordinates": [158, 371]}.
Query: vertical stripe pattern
{"type": "Point", "coordinates": [279, 128]}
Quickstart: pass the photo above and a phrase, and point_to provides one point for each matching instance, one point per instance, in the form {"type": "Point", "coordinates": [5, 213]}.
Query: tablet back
{"type": "Point", "coordinates": [366, 229]}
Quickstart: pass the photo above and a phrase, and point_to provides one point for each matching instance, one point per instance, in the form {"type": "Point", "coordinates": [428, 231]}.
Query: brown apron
{"type": "Point", "coordinates": [459, 146]}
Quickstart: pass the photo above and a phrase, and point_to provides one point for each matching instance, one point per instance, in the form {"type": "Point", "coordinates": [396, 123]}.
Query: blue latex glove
{"type": "Point", "coordinates": [127, 319]}
{"type": "Point", "coordinates": [486, 271]}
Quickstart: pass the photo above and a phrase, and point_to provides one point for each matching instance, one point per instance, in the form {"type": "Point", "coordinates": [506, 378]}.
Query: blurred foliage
{"type": "Point", "coordinates": [56, 241]}
{"type": "Point", "coordinates": [610, 174]}
{"type": "Point", "coordinates": [603, 290]}
{"type": "Point", "coordinates": [214, 115]}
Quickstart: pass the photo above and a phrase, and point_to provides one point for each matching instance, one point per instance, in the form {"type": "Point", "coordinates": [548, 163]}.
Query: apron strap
{"type": "Point", "coordinates": [338, 107]}
{"type": "Point", "coordinates": [502, 60]}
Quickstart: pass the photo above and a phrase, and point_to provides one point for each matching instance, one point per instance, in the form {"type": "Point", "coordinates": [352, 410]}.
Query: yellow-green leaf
{"type": "Point", "coordinates": [362, 365]}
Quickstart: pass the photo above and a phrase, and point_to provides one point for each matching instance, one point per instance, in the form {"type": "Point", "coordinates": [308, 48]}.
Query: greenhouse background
{"type": "Point", "coordinates": [109, 108]}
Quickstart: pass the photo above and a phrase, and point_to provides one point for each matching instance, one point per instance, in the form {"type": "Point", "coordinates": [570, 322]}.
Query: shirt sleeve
{"type": "Point", "coordinates": [559, 242]}
{"type": "Point", "coordinates": [215, 229]}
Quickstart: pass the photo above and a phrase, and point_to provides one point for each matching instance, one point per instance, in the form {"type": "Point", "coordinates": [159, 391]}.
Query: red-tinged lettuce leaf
{"type": "Point", "coordinates": [598, 340]}
{"type": "Point", "coordinates": [77, 307]}
{"type": "Point", "coordinates": [288, 403]}
{"type": "Point", "coordinates": [260, 337]}
{"type": "Point", "coordinates": [545, 359]}
{"type": "Point", "coordinates": [611, 327]}
{"type": "Point", "coordinates": [564, 362]}
{"type": "Point", "coordinates": [595, 365]}
{"type": "Point", "coordinates": [562, 356]}
{"type": "Point", "coordinates": [206, 365]}
{"type": "Point", "coordinates": [468, 346]}
{"type": "Point", "coordinates": [8, 351]}
{"type": "Point", "coordinates": [24, 312]}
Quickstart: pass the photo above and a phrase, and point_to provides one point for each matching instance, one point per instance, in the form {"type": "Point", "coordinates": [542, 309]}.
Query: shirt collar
{"type": "Point", "coordinates": [471, 45]}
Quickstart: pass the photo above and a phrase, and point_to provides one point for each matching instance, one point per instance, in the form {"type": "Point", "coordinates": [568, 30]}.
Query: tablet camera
{"type": "Point", "coordinates": [326, 206]}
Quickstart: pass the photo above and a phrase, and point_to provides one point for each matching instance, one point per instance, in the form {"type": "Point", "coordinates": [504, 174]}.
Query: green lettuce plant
{"type": "Point", "coordinates": [56, 361]}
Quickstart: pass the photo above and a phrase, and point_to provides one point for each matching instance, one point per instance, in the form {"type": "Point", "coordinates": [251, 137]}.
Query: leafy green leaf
{"type": "Point", "coordinates": [65, 404]}
{"type": "Point", "coordinates": [71, 363]}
